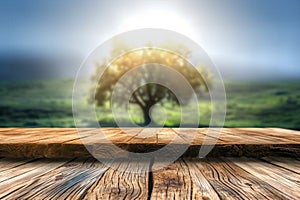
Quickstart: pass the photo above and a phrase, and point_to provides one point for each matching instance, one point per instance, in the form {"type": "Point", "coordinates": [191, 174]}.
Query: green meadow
{"type": "Point", "coordinates": [48, 103]}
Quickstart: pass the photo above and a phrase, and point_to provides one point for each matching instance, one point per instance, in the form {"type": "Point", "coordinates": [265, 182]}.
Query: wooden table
{"type": "Point", "coordinates": [66, 143]}
{"type": "Point", "coordinates": [211, 178]}
{"type": "Point", "coordinates": [53, 164]}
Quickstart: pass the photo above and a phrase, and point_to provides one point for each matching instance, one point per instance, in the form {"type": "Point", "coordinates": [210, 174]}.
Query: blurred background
{"type": "Point", "coordinates": [255, 44]}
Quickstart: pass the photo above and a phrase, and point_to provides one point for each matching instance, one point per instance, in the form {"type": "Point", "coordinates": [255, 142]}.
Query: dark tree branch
{"type": "Point", "coordinates": [149, 92]}
{"type": "Point", "coordinates": [137, 100]}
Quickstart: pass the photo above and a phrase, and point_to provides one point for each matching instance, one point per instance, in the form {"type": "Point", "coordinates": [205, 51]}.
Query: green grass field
{"type": "Point", "coordinates": [48, 103]}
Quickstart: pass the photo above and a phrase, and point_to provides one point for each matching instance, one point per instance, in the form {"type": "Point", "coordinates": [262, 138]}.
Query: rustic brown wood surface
{"type": "Point", "coordinates": [188, 178]}
{"type": "Point", "coordinates": [66, 142]}
{"type": "Point", "coordinates": [246, 163]}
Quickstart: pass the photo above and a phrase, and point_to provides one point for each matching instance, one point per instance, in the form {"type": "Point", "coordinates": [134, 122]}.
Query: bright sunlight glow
{"type": "Point", "coordinates": [156, 18]}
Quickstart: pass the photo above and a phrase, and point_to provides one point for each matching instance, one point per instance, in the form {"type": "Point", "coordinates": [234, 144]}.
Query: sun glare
{"type": "Point", "coordinates": [158, 19]}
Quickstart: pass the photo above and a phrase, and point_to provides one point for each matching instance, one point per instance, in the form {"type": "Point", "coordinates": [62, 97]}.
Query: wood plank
{"type": "Point", "coordinates": [3, 130]}
{"type": "Point", "coordinates": [281, 179]}
{"type": "Point", "coordinates": [122, 185]}
{"type": "Point", "coordinates": [168, 135]}
{"type": "Point", "coordinates": [232, 182]}
{"type": "Point", "coordinates": [145, 136]}
{"type": "Point", "coordinates": [145, 141]}
{"type": "Point", "coordinates": [69, 181]}
{"type": "Point", "coordinates": [195, 136]}
{"type": "Point", "coordinates": [9, 163]}
{"type": "Point", "coordinates": [172, 182]}
{"type": "Point", "coordinates": [291, 164]}
{"type": "Point", "coordinates": [211, 178]}
{"type": "Point", "coordinates": [248, 137]}
{"type": "Point", "coordinates": [201, 188]}
{"type": "Point", "coordinates": [274, 131]}
{"type": "Point", "coordinates": [91, 136]}
{"type": "Point", "coordinates": [214, 135]}
{"type": "Point", "coordinates": [19, 175]}
{"type": "Point", "coordinates": [36, 134]}
{"type": "Point", "coordinates": [66, 143]}
{"type": "Point", "coordinates": [269, 135]}
{"type": "Point", "coordinates": [125, 136]}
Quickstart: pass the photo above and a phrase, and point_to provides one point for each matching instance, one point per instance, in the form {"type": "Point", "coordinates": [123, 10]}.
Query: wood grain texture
{"type": "Point", "coordinates": [67, 143]}
{"type": "Point", "coordinates": [13, 178]}
{"type": "Point", "coordinates": [68, 181]}
{"type": "Point", "coordinates": [211, 178]}
{"type": "Point", "coordinates": [119, 183]}
{"type": "Point", "coordinates": [173, 182]}
{"type": "Point", "coordinates": [287, 163]}
{"type": "Point", "coordinates": [285, 181]}
{"type": "Point", "coordinates": [233, 182]}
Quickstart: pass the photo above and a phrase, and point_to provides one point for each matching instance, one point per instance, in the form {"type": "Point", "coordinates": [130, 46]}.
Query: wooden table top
{"type": "Point", "coordinates": [66, 143]}
{"type": "Point", "coordinates": [211, 178]}
{"type": "Point", "coordinates": [246, 163]}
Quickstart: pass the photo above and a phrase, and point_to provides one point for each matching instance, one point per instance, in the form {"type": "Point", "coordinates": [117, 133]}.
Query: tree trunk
{"type": "Point", "coordinates": [147, 118]}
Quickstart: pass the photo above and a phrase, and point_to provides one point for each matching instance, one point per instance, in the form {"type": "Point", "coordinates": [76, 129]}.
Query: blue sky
{"type": "Point", "coordinates": [246, 39]}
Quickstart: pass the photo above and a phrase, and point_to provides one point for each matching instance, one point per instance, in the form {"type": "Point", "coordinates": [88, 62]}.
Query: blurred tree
{"type": "Point", "coordinates": [149, 60]}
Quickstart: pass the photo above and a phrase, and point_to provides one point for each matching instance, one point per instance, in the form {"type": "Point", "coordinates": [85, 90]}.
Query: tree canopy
{"type": "Point", "coordinates": [149, 60]}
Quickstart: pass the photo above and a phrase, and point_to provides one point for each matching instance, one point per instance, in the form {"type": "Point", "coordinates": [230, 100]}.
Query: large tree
{"type": "Point", "coordinates": [149, 94]}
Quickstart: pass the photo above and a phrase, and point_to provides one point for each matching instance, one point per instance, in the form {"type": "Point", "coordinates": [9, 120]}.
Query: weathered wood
{"type": "Point", "coordinates": [201, 188]}
{"type": "Point", "coordinates": [15, 177]}
{"type": "Point", "coordinates": [291, 164]}
{"type": "Point", "coordinates": [233, 182]}
{"type": "Point", "coordinates": [172, 182]}
{"type": "Point", "coordinates": [211, 178]}
{"type": "Point", "coordinates": [117, 184]}
{"type": "Point", "coordinates": [270, 135]}
{"type": "Point", "coordinates": [283, 180]}
{"type": "Point", "coordinates": [69, 181]}
{"type": "Point", "coordinates": [8, 163]}
{"type": "Point", "coordinates": [66, 142]}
